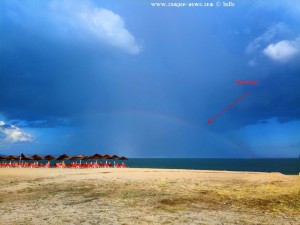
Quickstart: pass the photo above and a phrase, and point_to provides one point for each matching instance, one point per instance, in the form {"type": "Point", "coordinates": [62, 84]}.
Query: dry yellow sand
{"type": "Point", "coordinates": [147, 196]}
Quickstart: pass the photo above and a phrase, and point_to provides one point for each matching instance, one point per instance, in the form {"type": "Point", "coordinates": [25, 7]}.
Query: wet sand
{"type": "Point", "coordinates": [147, 196]}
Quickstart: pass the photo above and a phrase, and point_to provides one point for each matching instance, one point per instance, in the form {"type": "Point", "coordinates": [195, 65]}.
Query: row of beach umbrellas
{"type": "Point", "coordinates": [61, 157]}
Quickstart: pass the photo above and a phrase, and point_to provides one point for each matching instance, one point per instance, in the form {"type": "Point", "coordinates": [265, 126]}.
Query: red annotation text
{"type": "Point", "coordinates": [251, 82]}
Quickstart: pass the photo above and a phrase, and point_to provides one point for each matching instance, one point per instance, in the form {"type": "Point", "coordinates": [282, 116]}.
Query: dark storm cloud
{"type": "Point", "coordinates": [46, 72]}
{"type": "Point", "coordinates": [48, 68]}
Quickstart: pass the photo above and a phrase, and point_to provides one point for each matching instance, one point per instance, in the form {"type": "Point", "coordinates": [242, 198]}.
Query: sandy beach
{"type": "Point", "coordinates": [147, 196]}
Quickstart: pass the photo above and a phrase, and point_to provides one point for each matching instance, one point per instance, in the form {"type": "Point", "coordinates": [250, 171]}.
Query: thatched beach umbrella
{"type": "Point", "coordinates": [37, 157]}
{"type": "Point", "coordinates": [12, 157]}
{"type": "Point", "coordinates": [106, 156]}
{"type": "Point", "coordinates": [86, 157]}
{"type": "Point", "coordinates": [49, 157]}
{"type": "Point", "coordinates": [25, 157]}
{"type": "Point", "coordinates": [114, 157]}
{"type": "Point", "coordinates": [80, 156]}
{"type": "Point", "coordinates": [62, 157]}
{"type": "Point", "coordinates": [96, 156]}
{"type": "Point", "coordinates": [3, 157]}
{"type": "Point", "coordinates": [123, 158]}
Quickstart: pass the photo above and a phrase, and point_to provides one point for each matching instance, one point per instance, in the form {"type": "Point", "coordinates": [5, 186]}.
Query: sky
{"type": "Point", "coordinates": [129, 78]}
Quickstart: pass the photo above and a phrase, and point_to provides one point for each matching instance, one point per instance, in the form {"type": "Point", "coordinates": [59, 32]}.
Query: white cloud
{"type": "Point", "coordinates": [282, 51]}
{"type": "Point", "coordinates": [82, 17]}
{"type": "Point", "coordinates": [267, 37]}
{"type": "Point", "coordinates": [109, 26]}
{"type": "Point", "coordinates": [276, 43]}
{"type": "Point", "coordinates": [13, 134]}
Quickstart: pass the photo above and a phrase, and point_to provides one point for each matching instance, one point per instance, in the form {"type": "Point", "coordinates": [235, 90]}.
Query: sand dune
{"type": "Point", "coordinates": [147, 196]}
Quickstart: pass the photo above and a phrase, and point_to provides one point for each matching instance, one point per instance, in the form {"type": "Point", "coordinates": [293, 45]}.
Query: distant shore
{"type": "Point", "coordinates": [147, 196]}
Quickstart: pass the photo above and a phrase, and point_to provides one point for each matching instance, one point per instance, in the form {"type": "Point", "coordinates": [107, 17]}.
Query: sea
{"type": "Point", "coordinates": [286, 165]}
{"type": "Point", "coordinates": [289, 166]}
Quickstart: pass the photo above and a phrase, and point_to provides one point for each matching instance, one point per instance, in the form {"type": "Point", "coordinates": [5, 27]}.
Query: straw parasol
{"type": "Point", "coordinates": [96, 156]}
{"type": "Point", "coordinates": [123, 158]}
{"type": "Point", "coordinates": [3, 157]}
{"type": "Point", "coordinates": [79, 156]}
{"type": "Point", "coordinates": [12, 157]}
{"type": "Point", "coordinates": [25, 157]}
{"type": "Point", "coordinates": [37, 157]}
{"type": "Point", "coordinates": [106, 156]}
{"type": "Point", "coordinates": [86, 157]}
{"type": "Point", "coordinates": [114, 157]}
{"type": "Point", "coordinates": [62, 157]}
{"type": "Point", "coordinates": [49, 157]}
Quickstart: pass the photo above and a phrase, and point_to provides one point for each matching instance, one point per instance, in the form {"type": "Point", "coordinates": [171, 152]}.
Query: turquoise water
{"type": "Point", "coordinates": [285, 166]}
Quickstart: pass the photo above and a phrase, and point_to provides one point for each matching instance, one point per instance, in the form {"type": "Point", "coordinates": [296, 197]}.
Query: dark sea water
{"type": "Point", "coordinates": [285, 166]}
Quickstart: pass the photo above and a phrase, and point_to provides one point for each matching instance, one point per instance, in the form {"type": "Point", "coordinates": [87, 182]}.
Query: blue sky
{"type": "Point", "coordinates": [122, 77]}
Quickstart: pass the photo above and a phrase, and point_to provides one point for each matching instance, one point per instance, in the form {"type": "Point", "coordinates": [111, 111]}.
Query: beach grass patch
{"type": "Point", "coordinates": [173, 205]}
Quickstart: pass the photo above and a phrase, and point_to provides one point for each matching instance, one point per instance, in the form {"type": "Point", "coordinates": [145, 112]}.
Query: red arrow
{"type": "Point", "coordinates": [211, 120]}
